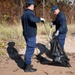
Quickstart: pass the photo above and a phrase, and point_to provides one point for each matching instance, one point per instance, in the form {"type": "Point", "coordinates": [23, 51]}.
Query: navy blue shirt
{"type": "Point", "coordinates": [29, 21]}
{"type": "Point", "coordinates": [60, 23]}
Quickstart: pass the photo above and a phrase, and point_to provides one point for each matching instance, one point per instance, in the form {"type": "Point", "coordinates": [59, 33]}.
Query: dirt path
{"type": "Point", "coordinates": [12, 64]}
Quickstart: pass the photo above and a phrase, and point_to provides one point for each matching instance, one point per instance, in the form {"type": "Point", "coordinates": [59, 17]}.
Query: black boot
{"type": "Point", "coordinates": [29, 68]}
{"type": "Point", "coordinates": [24, 66]}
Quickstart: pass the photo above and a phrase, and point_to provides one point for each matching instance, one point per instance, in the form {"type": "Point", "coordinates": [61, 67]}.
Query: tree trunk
{"type": "Point", "coordinates": [43, 8]}
{"type": "Point", "coordinates": [21, 4]}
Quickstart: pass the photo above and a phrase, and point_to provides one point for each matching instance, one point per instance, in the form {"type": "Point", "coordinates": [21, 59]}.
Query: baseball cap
{"type": "Point", "coordinates": [54, 8]}
{"type": "Point", "coordinates": [31, 2]}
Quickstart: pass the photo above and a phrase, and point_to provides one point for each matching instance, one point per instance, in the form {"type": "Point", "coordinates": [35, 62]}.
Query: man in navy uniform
{"type": "Point", "coordinates": [61, 27]}
{"type": "Point", "coordinates": [29, 21]}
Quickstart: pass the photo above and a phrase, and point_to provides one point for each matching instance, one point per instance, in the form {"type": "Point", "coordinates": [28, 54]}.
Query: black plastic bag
{"type": "Point", "coordinates": [57, 53]}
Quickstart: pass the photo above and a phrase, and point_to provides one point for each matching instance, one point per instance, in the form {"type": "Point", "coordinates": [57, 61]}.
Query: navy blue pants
{"type": "Point", "coordinates": [61, 39]}
{"type": "Point", "coordinates": [30, 46]}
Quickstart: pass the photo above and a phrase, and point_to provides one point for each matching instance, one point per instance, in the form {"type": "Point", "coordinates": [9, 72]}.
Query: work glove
{"type": "Point", "coordinates": [57, 33]}
{"type": "Point", "coordinates": [51, 24]}
{"type": "Point", "coordinates": [42, 20]}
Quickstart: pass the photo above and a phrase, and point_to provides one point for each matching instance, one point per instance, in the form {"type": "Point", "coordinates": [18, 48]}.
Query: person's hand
{"type": "Point", "coordinates": [42, 20]}
{"type": "Point", "coordinates": [51, 24]}
{"type": "Point", "coordinates": [57, 33]}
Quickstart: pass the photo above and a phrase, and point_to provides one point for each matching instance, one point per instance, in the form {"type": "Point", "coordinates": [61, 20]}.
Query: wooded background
{"type": "Point", "coordinates": [11, 10]}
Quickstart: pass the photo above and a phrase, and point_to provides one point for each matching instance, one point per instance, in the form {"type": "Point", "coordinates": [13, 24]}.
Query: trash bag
{"type": "Point", "coordinates": [57, 53]}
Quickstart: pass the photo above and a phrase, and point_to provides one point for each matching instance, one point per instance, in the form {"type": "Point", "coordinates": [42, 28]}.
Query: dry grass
{"type": "Point", "coordinates": [14, 34]}
{"type": "Point", "coordinates": [42, 31]}
{"type": "Point", "coordinates": [11, 34]}
{"type": "Point", "coordinates": [1, 52]}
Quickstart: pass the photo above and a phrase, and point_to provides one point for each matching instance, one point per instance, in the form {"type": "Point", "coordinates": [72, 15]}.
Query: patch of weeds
{"type": "Point", "coordinates": [1, 45]}
{"type": "Point", "coordinates": [1, 52]}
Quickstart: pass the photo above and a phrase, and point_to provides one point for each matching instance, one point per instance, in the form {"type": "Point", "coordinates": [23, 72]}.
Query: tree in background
{"type": "Point", "coordinates": [11, 10]}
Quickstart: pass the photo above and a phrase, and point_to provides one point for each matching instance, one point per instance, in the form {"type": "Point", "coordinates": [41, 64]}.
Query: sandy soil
{"type": "Point", "coordinates": [12, 63]}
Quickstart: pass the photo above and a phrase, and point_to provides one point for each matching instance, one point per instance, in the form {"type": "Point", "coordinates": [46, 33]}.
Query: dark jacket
{"type": "Point", "coordinates": [29, 21]}
{"type": "Point", "coordinates": [60, 23]}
